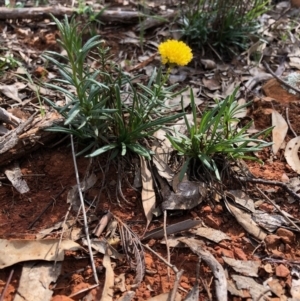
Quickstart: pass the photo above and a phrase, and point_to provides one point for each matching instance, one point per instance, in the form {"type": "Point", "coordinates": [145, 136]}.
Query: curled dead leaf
{"type": "Point", "coordinates": [291, 154]}
{"type": "Point", "coordinates": [279, 131]}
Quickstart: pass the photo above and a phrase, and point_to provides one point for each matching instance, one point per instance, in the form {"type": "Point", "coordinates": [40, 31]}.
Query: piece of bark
{"type": "Point", "coordinates": [27, 137]}
{"type": "Point", "coordinates": [59, 11]}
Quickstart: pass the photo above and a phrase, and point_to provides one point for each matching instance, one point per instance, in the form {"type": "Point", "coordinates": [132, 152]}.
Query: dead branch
{"type": "Point", "coordinates": [59, 11]}
{"type": "Point", "coordinates": [27, 137]}
{"type": "Point", "coordinates": [269, 182]}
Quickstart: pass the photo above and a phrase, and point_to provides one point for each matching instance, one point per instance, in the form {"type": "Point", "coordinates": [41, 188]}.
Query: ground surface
{"type": "Point", "coordinates": [49, 173]}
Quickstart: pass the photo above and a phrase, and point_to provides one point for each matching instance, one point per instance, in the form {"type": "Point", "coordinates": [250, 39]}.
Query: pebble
{"type": "Point", "coordinates": [272, 241]}
{"type": "Point", "coordinates": [185, 285]}
{"type": "Point", "coordinates": [61, 298]}
{"type": "Point", "coordinates": [207, 209]}
{"type": "Point", "coordinates": [218, 209]}
{"type": "Point", "coordinates": [239, 253]}
{"type": "Point", "coordinates": [282, 271]}
{"type": "Point", "coordinates": [286, 236]}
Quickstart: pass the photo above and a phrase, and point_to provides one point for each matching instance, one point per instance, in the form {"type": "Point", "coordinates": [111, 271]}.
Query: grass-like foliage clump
{"type": "Point", "coordinates": [104, 108]}
{"type": "Point", "coordinates": [217, 136]}
{"type": "Point", "coordinates": [223, 24]}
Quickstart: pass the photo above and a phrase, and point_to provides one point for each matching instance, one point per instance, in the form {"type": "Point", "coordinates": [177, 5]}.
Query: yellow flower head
{"type": "Point", "coordinates": [175, 52]}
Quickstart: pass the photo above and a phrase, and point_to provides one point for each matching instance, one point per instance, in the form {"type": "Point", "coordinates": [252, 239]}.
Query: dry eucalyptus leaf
{"type": "Point", "coordinates": [11, 91]}
{"type": "Point", "coordinates": [23, 250]}
{"type": "Point", "coordinates": [108, 292]}
{"type": "Point", "coordinates": [211, 234]}
{"type": "Point", "coordinates": [279, 131]}
{"type": "Point", "coordinates": [245, 220]}
{"type": "Point", "coordinates": [208, 64]}
{"type": "Point", "coordinates": [35, 281]}
{"type": "Point", "coordinates": [14, 175]}
{"type": "Point", "coordinates": [148, 193]}
{"type": "Point", "coordinates": [247, 268]}
{"type": "Point", "coordinates": [211, 84]}
{"type": "Point", "coordinates": [291, 154]}
{"type": "Point", "coordinates": [247, 283]}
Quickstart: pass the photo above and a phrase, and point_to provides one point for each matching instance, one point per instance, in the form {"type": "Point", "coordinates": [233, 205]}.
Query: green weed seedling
{"type": "Point", "coordinates": [216, 135]}
{"type": "Point", "coordinates": [104, 109]}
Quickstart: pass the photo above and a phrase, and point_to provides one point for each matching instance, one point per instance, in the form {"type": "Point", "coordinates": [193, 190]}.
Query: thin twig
{"type": "Point", "coordinates": [167, 243]}
{"type": "Point", "coordinates": [279, 79]}
{"type": "Point", "coordinates": [172, 296]}
{"type": "Point", "coordinates": [45, 209]}
{"type": "Point", "coordinates": [269, 182]}
{"type": "Point", "coordinates": [6, 285]}
{"type": "Point", "coordinates": [216, 53]}
{"type": "Point", "coordinates": [34, 175]}
{"type": "Point", "coordinates": [83, 290]}
{"type": "Point", "coordinates": [263, 295]}
{"type": "Point", "coordinates": [288, 121]}
{"type": "Point", "coordinates": [62, 232]}
{"type": "Point", "coordinates": [278, 208]}
{"type": "Point", "coordinates": [173, 267]}
{"type": "Point", "coordinates": [84, 213]}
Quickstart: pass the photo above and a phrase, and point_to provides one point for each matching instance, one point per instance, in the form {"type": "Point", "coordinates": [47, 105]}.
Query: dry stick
{"type": "Point", "coordinates": [288, 121]}
{"type": "Point", "coordinates": [263, 295]}
{"type": "Point", "coordinates": [83, 212]}
{"type": "Point", "coordinates": [279, 79]}
{"type": "Point", "coordinates": [278, 208]}
{"type": "Point", "coordinates": [173, 267]}
{"type": "Point", "coordinates": [45, 209]}
{"type": "Point", "coordinates": [62, 232]}
{"type": "Point", "coordinates": [172, 297]}
{"type": "Point", "coordinates": [6, 285]}
{"type": "Point", "coordinates": [83, 290]}
{"type": "Point", "coordinates": [167, 243]}
{"type": "Point", "coordinates": [268, 182]}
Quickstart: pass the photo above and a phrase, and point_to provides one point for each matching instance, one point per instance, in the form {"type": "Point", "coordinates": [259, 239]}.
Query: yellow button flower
{"type": "Point", "coordinates": [175, 52]}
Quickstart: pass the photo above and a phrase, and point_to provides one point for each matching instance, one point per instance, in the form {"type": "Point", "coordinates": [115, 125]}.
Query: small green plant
{"type": "Point", "coordinates": [104, 109]}
{"type": "Point", "coordinates": [222, 23]}
{"type": "Point", "coordinates": [217, 136]}
{"type": "Point", "coordinates": [8, 62]}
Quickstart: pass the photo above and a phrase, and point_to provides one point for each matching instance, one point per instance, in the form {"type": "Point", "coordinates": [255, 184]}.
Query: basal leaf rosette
{"type": "Point", "coordinates": [175, 52]}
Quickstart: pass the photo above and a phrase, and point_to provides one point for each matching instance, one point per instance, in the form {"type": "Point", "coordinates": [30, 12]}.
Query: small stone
{"type": "Point", "coordinates": [207, 209]}
{"type": "Point", "coordinates": [225, 252]}
{"type": "Point", "coordinates": [268, 268]}
{"type": "Point", "coordinates": [218, 209]}
{"type": "Point", "coordinates": [185, 285]}
{"type": "Point", "coordinates": [149, 280]}
{"type": "Point", "coordinates": [239, 253]}
{"type": "Point", "coordinates": [282, 271]}
{"type": "Point", "coordinates": [286, 236]}
{"type": "Point", "coordinates": [147, 295]}
{"type": "Point", "coordinates": [266, 207]}
{"type": "Point", "coordinates": [272, 241]}
{"type": "Point", "coordinates": [213, 222]}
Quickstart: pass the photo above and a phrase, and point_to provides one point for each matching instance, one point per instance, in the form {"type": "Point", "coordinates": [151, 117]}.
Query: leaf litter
{"type": "Point", "coordinates": [218, 238]}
